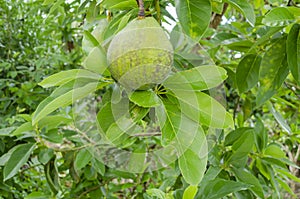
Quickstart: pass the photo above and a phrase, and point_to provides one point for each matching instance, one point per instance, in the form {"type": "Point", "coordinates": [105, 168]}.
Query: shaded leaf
{"type": "Point", "coordinates": [293, 51]}
{"type": "Point", "coordinates": [96, 61]}
{"type": "Point", "coordinates": [194, 16]}
{"type": "Point", "coordinates": [245, 8]}
{"type": "Point", "coordinates": [273, 71]}
{"type": "Point", "coordinates": [83, 157]}
{"type": "Point", "coordinates": [17, 159]}
{"type": "Point", "coordinates": [250, 179]}
{"type": "Point", "coordinates": [247, 72]}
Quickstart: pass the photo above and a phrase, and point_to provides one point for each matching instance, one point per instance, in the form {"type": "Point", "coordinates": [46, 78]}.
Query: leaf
{"type": "Point", "coordinates": [66, 76]}
{"type": "Point", "coordinates": [190, 192]}
{"type": "Point", "coordinates": [241, 147]}
{"type": "Point", "coordinates": [279, 118]}
{"type": "Point", "coordinates": [293, 51]}
{"type": "Point", "coordinates": [96, 61]}
{"type": "Point", "coordinates": [219, 188]}
{"type": "Point", "coordinates": [193, 161]}
{"type": "Point", "coordinates": [278, 17]}
{"type": "Point", "coordinates": [247, 72]}
{"type": "Point", "coordinates": [273, 150]}
{"type": "Point", "coordinates": [273, 71]}
{"type": "Point", "coordinates": [63, 96]}
{"type": "Point", "coordinates": [156, 193]}
{"type": "Point", "coordinates": [145, 98]}
{"type": "Point", "coordinates": [23, 128]}
{"type": "Point", "coordinates": [119, 5]}
{"type": "Point", "coordinates": [248, 178]}
{"type": "Point", "coordinates": [37, 195]}
{"type": "Point", "coordinates": [17, 159]}
{"type": "Point", "coordinates": [83, 157]}
{"type": "Point", "coordinates": [6, 131]}
{"type": "Point", "coordinates": [48, 2]}
{"type": "Point", "coordinates": [202, 108]}
{"type": "Point", "coordinates": [199, 78]}
{"type": "Point", "coordinates": [194, 16]}
{"type": "Point", "coordinates": [51, 173]}
{"type": "Point", "coordinates": [245, 8]}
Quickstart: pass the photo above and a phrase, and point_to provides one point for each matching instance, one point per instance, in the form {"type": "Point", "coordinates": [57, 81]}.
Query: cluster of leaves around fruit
{"type": "Point", "coordinates": [240, 161]}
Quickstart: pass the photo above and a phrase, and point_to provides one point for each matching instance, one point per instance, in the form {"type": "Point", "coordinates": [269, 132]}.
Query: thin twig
{"type": "Point", "coordinates": [141, 10]}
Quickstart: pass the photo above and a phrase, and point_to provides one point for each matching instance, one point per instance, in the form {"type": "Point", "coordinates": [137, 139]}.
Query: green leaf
{"type": "Point", "coordinates": [219, 188]}
{"type": "Point", "coordinates": [274, 150]}
{"type": "Point", "coordinates": [156, 193]}
{"type": "Point", "coordinates": [51, 173]}
{"type": "Point", "coordinates": [37, 195]}
{"type": "Point", "coordinates": [17, 159]}
{"type": "Point", "coordinates": [23, 128]}
{"type": "Point", "coordinates": [119, 5]}
{"type": "Point", "coordinates": [245, 8]}
{"type": "Point", "coordinates": [199, 78]}
{"type": "Point", "coordinates": [202, 108]}
{"type": "Point", "coordinates": [190, 192]}
{"type": "Point", "coordinates": [193, 161]}
{"type": "Point", "coordinates": [241, 147]}
{"type": "Point", "coordinates": [45, 155]}
{"type": "Point", "coordinates": [293, 51]}
{"type": "Point", "coordinates": [287, 174]}
{"type": "Point", "coordinates": [247, 72]}
{"type": "Point", "coordinates": [83, 157]}
{"type": "Point", "coordinates": [278, 17]}
{"type": "Point", "coordinates": [145, 98]}
{"type": "Point", "coordinates": [194, 16]}
{"type": "Point", "coordinates": [279, 118]}
{"type": "Point", "coordinates": [63, 96]}
{"type": "Point", "coordinates": [66, 76]}
{"type": "Point", "coordinates": [96, 61]}
{"type": "Point", "coordinates": [48, 2]}
{"type": "Point", "coordinates": [7, 131]}
{"type": "Point", "coordinates": [98, 166]}
{"type": "Point", "coordinates": [273, 71]}
{"type": "Point", "coordinates": [250, 179]}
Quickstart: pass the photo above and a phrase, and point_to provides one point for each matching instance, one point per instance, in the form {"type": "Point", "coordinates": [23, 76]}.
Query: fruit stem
{"type": "Point", "coordinates": [141, 10]}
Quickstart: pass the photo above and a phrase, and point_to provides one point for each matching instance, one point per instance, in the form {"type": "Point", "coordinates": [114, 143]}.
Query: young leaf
{"type": "Point", "coordinates": [190, 192]}
{"type": "Point", "coordinates": [194, 16]}
{"type": "Point", "coordinates": [293, 51]}
{"type": "Point", "coordinates": [247, 72]}
{"type": "Point", "coordinates": [17, 159]}
{"type": "Point", "coordinates": [145, 98]}
{"type": "Point", "coordinates": [278, 17]}
{"type": "Point", "coordinates": [199, 78]}
{"type": "Point", "coordinates": [245, 8]}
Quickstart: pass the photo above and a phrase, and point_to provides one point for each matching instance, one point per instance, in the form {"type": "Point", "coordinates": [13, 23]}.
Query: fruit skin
{"type": "Point", "coordinates": [140, 55]}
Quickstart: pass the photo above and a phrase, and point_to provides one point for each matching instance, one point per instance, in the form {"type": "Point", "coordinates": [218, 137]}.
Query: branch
{"type": "Point", "coordinates": [215, 22]}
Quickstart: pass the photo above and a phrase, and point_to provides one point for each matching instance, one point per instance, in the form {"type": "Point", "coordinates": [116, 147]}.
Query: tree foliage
{"type": "Point", "coordinates": [224, 124]}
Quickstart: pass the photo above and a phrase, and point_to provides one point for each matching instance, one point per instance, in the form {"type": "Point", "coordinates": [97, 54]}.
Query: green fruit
{"type": "Point", "coordinates": [140, 55]}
